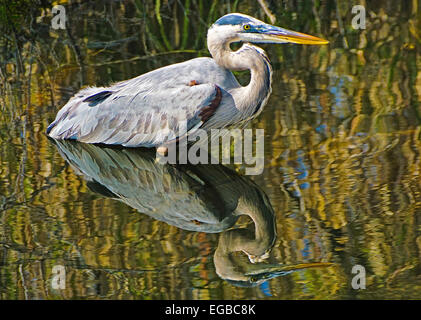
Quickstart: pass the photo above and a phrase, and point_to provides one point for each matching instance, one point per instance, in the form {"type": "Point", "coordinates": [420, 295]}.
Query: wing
{"type": "Point", "coordinates": [148, 110]}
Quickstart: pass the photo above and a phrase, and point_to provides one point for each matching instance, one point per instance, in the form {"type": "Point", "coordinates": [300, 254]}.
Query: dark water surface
{"type": "Point", "coordinates": [341, 184]}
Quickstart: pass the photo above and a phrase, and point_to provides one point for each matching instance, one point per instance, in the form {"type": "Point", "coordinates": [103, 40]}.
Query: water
{"type": "Point", "coordinates": [341, 183]}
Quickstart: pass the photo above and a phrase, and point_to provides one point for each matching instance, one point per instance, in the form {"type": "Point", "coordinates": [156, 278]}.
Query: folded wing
{"type": "Point", "coordinates": [145, 111]}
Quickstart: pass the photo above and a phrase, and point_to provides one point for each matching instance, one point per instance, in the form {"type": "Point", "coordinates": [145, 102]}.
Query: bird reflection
{"type": "Point", "coordinates": [202, 198]}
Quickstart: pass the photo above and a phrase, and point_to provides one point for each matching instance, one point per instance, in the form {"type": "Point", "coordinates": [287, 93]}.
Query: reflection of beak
{"type": "Point", "coordinates": [266, 272]}
{"type": "Point", "coordinates": [279, 35]}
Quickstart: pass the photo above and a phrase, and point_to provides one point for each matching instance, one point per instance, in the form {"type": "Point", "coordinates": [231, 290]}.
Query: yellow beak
{"type": "Point", "coordinates": [279, 35]}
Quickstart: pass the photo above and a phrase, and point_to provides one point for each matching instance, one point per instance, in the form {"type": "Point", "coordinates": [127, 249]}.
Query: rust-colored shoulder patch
{"type": "Point", "coordinates": [209, 110]}
{"type": "Point", "coordinates": [193, 83]}
{"type": "Point", "coordinates": [196, 222]}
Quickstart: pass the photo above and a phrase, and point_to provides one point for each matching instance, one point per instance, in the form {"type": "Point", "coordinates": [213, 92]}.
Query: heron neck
{"type": "Point", "coordinates": [256, 242]}
{"type": "Point", "coordinates": [254, 96]}
{"type": "Point", "coordinates": [251, 98]}
{"type": "Point", "coordinates": [252, 243]}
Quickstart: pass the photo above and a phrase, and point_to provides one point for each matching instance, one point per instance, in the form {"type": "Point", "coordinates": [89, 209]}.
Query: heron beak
{"type": "Point", "coordinates": [279, 35]}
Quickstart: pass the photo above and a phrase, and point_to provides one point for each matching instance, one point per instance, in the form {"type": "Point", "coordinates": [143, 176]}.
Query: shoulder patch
{"type": "Point", "coordinates": [209, 110]}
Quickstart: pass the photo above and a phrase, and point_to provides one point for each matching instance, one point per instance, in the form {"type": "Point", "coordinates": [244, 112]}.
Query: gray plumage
{"type": "Point", "coordinates": [138, 111]}
{"type": "Point", "coordinates": [165, 104]}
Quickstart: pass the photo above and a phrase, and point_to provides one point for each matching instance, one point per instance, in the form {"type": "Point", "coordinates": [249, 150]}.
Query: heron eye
{"type": "Point", "coordinates": [246, 27]}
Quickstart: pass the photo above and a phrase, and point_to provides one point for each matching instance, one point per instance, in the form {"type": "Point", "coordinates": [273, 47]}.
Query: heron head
{"type": "Point", "coordinates": [240, 27]}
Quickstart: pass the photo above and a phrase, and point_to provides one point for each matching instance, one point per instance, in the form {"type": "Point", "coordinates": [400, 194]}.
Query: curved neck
{"type": "Point", "coordinates": [251, 98]}
{"type": "Point", "coordinates": [255, 244]}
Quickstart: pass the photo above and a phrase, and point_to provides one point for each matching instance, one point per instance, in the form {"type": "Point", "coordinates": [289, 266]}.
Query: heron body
{"type": "Point", "coordinates": [158, 107]}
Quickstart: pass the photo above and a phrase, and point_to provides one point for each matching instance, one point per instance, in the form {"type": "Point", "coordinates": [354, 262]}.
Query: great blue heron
{"type": "Point", "coordinates": [158, 107]}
